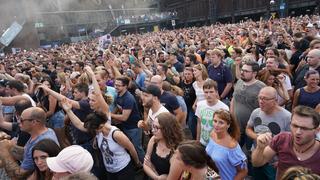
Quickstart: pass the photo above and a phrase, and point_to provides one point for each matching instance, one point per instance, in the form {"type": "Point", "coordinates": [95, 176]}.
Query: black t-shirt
{"type": "Point", "coordinates": [127, 101]}
{"type": "Point", "coordinates": [179, 66]}
{"type": "Point", "coordinates": [22, 136]}
{"type": "Point", "coordinates": [295, 59]}
{"type": "Point", "coordinates": [189, 94]}
{"type": "Point", "coordinates": [169, 101]}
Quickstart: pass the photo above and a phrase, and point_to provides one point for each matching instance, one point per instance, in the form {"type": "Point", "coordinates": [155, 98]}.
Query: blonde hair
{"type": "Point", "coordinates": [299, 173]}
{"type": "Point", "coordinates": [203, 69]}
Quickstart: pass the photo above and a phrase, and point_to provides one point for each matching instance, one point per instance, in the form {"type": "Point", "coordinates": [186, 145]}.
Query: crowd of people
{"type": "Point", "coordinates": [226, 101]}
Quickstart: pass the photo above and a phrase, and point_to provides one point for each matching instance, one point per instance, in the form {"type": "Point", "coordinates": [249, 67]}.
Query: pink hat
{"type": "Point", "coordinates": [71, 159]}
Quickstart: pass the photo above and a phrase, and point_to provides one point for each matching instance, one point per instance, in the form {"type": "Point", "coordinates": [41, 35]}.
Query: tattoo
{"type": "Point", "coordinates": [17, 152]}
{"type": "Point", "coordinates": [14, 171]}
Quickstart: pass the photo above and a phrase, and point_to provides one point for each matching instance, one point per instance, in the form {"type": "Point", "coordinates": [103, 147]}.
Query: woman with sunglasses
{"type": "Point", "coordinates": [167, 134]}
{"type": "Point", "coordinates": [224, 149]}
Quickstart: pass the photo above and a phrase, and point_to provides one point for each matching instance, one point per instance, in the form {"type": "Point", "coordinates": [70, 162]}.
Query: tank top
{"type": "Point", "coordinates": [115, 157]}
{"type": "Point", "coordinates": [162, 165]}
{"type": "Point", "coordinates": [309, 99]}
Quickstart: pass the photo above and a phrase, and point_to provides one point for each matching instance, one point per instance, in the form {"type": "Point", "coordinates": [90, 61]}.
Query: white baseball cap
{"type": "Point", "coordinates": [71, 159]}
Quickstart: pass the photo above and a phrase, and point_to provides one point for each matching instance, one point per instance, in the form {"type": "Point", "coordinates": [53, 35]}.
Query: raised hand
{"type": "Point", "coordinates": [264, 140]}
{"type": "Point", "coordinates": [66, 104]}
{"type": "Point", "coordinates": [89, 71]}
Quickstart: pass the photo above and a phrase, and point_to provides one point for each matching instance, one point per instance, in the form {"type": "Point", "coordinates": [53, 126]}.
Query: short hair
{"type": "Point", "coordinates": [164, 67]}
{"type": "Point", "coordinates": [124, 80]}
{"type": "Point", "coordinates": [81, 64]}
{"type": "Point", "coordinates": [313, 43]}
{"type": "Point", "coordinates": [83, 88]}
{"type": "Point", "coordinates": [209, 83]}
{"type": "Point", "coordinates": [21, 105]}
{"type": "Point", "coordinates": [254, 65]}
{"type": "Point", "coordinates": [16, 85]}
{"type": "Point", "coordinates": [216, 52]}
{"type": "Point", "coordinates": [305, 111]}
{"type": "Point", "coordinates": [192, 57]}
{"type": "Point", "coordinates": [274, 50]}
{"type": "Point", "coordinates": [38, 114]}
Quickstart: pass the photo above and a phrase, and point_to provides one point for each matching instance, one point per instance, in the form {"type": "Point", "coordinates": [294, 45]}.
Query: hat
{"type": "Point", "coordinates": [152, 89]}
{"type": "Point", "coordinates": [71, 159]}
{"type": "Point", "coordinates": [310, 25]}
{"type": "Point", "coordinates": [74, 75]}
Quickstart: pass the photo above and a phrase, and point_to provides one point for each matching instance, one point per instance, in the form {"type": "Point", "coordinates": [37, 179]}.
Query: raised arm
{"type": "Point", "coordinates": [60, 97]}
{"type": "Point", "coordinates": [263, 152]}
{"type": "Point", "coordinates": [66, 105]}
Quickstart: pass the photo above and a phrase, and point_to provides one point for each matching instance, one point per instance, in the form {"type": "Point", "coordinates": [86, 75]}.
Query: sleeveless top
{"type": "Point", "coordinates": [309, 99]}
{"type": "Point", "coordinates": [115, 157]}
{"type": "Point", "coordinates": [162, 165]}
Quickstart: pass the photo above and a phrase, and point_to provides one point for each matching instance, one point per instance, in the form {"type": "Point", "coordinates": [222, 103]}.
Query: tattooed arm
{"type": "Point", "coordinates": [12, 168]}
{"type": "Point", "coordinates": [17, 152]}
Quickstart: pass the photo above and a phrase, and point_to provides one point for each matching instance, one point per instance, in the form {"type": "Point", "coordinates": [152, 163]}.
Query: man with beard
{"type": "Point", "coordinates": [151, 100]}
{"type": "Point", "coordinates": [245, 99]}
{"type": "Point", "coordinates": [296, 148]}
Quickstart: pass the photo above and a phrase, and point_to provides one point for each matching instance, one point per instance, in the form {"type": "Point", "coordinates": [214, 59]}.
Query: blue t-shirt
{"type": "Point", "coordinates": [140, 79]}
{"type": "Point", "coordinates": [127, 101]}
{"type": "Point", "coordinates": [222, 75]}
{"type": "Point", "coordinates": [111, 91]}
{"type": "Point", "coordinates": [169, 101]}
{"type": "Point", "coordinates": [226, 159]}
{"type": "Point", "coordinates": [28, 163]}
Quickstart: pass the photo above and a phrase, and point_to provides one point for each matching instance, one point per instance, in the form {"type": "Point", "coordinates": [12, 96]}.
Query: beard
{"type": "Point", "coordinates": [148, 104]}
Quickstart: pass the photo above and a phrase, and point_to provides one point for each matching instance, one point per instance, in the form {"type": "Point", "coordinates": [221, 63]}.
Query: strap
{"type": "Point", "coordinates": [113, 133]}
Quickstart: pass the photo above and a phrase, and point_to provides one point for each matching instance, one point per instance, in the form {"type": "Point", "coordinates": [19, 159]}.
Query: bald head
{"type": "Point", "coordinates": [314, 52]}
{"type": "Point", "coordinates": [157, 80]}
{"type": "Point", "coordinates": [314, 58]}
{"type": "Point", "coordinates": [269, 91]}
{"type": "Point", "coordinates": [35, 113]}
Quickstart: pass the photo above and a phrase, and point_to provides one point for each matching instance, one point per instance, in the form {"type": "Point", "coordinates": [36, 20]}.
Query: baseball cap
{"type": "Point", "coordinates": [71, 159]}
{"type": "Point", "coordinates": [152, 89]}
{"type": "Point", "coordinates": [74, 74]}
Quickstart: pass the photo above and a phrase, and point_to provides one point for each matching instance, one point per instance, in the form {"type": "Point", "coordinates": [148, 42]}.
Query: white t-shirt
{"type": "Point", "coordinates": [199, 91]}
{"type": "Point", "coordinates": [31, 100]}
{"type": "Point", "coordinates": [115, 157]}
{"type": "Point", "coordinates": [205, 114]}
{"type": "Point", "coordinates": [152, 116]}
{"type": "Point", "coordinates": [287, 83]}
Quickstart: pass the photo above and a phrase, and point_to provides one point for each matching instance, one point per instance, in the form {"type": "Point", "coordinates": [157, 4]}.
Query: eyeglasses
{"type": "Point", "coordinates": [23, 120]}
{"type": "Point", "coordinates": [265, 98]}
{"type": "Point", "coordinates": [244, 70]}
{"type": "Point", "coordinates": [118, 85]}
{"type": "Point", "coordinates": [294, 126]}
{"type": "Point", "coordinates": [155, 128]}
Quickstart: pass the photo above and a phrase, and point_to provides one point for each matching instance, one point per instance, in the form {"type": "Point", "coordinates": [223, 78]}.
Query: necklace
{"type": "Point", "coordinates": [305, 150]}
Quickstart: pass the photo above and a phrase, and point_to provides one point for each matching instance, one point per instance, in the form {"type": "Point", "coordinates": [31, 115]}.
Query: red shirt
{"type": "Point", "coordinates": [282, 144]}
